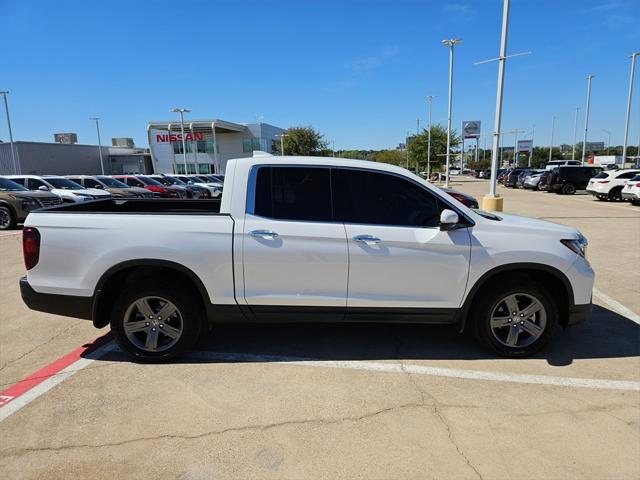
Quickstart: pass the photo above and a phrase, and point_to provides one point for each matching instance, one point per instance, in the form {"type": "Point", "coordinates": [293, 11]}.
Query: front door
{"type": "Point", "coordinates": [400, 261]}
{"type": "Point", "coordinates": [294, 255]}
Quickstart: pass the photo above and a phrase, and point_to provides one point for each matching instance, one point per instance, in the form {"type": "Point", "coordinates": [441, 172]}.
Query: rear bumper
{"type": "Point", "coordinates": [578, 314]}
{"type": "Point", "coordinates": [66, 305]}
{"type": "Point", "coordinates": [630, 196]}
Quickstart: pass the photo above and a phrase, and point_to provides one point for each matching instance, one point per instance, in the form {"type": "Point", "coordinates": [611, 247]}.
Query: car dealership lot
{"type": "Point", "coordinates": [380, 401]}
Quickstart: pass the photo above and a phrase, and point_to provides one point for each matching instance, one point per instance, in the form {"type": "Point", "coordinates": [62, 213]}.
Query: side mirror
{"type": "Point", "coordinates": [98, 185]}
{"type": "Point", "coordinates": [43, 188]}
{"type": "Point", "coordinates": [448, 220]}
{"type": "Point", "coordinates": [190, 182]}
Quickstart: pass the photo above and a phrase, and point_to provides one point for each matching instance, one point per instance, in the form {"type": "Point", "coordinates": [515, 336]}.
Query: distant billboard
{"type": "Point", "coordinates": [525, 145]}
{"type": "Point", "coordinates": [471, 129]}
{"type": "Point", "coordinates": [595, 146]}
{"type": "Point", "coordinates": [68, 138]}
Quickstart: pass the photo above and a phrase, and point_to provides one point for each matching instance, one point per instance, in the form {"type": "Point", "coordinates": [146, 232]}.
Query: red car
{"type": "Point", "coordinates": [463, 198]}
{"type": "Point", "coordinates": [156, 187]}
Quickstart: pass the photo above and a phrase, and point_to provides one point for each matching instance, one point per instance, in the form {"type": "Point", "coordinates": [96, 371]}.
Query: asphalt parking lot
{"type": "Point", "coordinates": [340, 401]}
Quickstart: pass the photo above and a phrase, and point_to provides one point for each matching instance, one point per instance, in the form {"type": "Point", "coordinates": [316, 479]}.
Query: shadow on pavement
{"type": "Point", "coordinates": [605, 334]}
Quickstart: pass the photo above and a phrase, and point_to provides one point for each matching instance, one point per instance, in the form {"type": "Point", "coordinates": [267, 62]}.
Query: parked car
{"type": "Point", "coordinates": [521, 178]}
{"type": "Point", "coordinates": [532, 179]}
{"type": "Point", "coordinates": [563, 163]}
{"type": "Point", "coordinates": [568, 180]}
{"type": "Point", "coordinates": [215, 188]}
{"type": "Point", "coordinates": [16, 202]}
{"type": "Point", "coordinates": [466, 200]}
{"type": "Point", "coordinates": [631, 190]}
{"type": "Point", "coordinates": [306, 238]}
{"type": "Point", "coordinates": [511, 179]}
{"type": "Point", "coordinates": [142, 181]}
{"type": "Point", "coordinates": [191, 191]}
{"type": "Point", "coordinates": [543, 182]}
{"type": "Point", "coordinates": [608, 184]}
{"type": "Point", "coordinates": [115, 187]}
{"type": "Point", "coordinates": [66, 189]}
{"type": "Point", "coordinates": [502, 174]}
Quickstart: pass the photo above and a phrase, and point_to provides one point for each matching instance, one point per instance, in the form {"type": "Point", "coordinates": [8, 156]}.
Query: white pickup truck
{"type": "Point", "coordinates": [305, 239]}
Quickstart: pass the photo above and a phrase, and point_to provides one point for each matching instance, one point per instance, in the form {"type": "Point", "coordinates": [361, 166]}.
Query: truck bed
{"type": "Point", "coordinates": [141, 205]}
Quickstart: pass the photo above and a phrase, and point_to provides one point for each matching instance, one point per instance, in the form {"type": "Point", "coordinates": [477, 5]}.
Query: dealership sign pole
{"type": "Point", "coordinates": [97, 120]}
{"type": "Point", "coordinates": [586, 118]}
{"type": "Point", "coordinates": [626, 124]}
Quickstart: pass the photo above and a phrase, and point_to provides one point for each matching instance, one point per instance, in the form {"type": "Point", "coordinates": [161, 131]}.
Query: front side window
{"type": "Point", "coordinates": [382, 199]}
{"type": "Point", "coordinates": [91, 183]}
{"type": "Point", "coordinates": [34, 184]}
{"type": "Point", "coordinates": [293, 193]}
{"type": "Point", "coordinates": [7, 185]}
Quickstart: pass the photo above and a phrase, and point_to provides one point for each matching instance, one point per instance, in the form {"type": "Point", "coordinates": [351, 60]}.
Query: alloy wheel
{"type": "Point", "coordinates": [5, 218]}
{"type": "Point", "coordinates": [153, 324]}
{"type": "Point", "coordinates": [518, 320]}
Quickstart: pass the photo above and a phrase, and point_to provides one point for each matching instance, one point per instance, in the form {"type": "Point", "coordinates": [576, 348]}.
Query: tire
{"type": "Point", "coordinates": [7, 218]}
{"type": "Point", "coordinates": [568, 189]}
{"type": "Point", "coordinates": [499, 338]}
{"type": "Point", "coordinates": [134, 327]}
{"type": "Point", "coordinates": [615, 194]}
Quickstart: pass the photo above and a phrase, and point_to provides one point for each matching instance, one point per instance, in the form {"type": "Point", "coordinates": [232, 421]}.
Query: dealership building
{"type": "Point", "coordinates": [208, 144]}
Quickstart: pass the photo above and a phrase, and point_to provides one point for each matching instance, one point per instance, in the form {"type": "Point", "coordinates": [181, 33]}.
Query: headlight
{"type": "Point", "coordinates": [85, 196]}
{"type": "Point", "coordinates": [29, 203]}
{"type": "Point", "coordinates": [577, 245]}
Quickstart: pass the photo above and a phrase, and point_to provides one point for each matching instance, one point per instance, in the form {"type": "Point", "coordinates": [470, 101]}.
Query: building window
{"type": "Point", "coordinates": [177, 147]}
{"type": "Point", "coordinates": [252, 144]}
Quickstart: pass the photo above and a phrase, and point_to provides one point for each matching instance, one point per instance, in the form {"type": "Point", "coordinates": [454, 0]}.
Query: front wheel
{"type": "Point", "coordinates": [516, 320]}
{"type": "Point", "coordinates": [615, 195]}
{"type": "Point", "coordinates": [568, 189]}
{"type": "Point", "coordinates": [7, 219]}
{"type": "Point", "coordinates": [155, 323]}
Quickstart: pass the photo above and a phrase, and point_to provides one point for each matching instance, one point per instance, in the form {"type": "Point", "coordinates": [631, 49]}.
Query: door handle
{"type": "Point", "coordinates": [366, 239]}
{"type": "Point", "coordinates": [263, 234]}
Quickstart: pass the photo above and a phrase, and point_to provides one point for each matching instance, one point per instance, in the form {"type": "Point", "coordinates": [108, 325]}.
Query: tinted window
{"type": "Point", "coordinates": [383, 199]}
{"type": "Point", "coordinates": [34, 184]}
{"type": "Point", "coordinates": [602, 175]}
{"type": "Point", "coordinates": [19, 181]}
{"type": "Point", "coordinates": [7, 185]}
{"type": "Point", "coordinates": [293, 193]}
{"type": "Point", "coordinates": [91, 183]}
{"type": "Point", "coordinates": [627, 175]}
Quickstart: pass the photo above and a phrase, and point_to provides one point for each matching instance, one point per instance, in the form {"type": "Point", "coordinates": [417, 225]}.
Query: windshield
{"type": "Point", "coordinates": [487, 215]}
{"type": "Point", "coordinates": [149, 181]}
{"type": "Point", "coordinates": [173, 181]}
{"type": "Point", "coordinates": [183, 179]}
{"type": "Point", "coordinates": [112, 182]}
{"type": "Point", "coordinates": [63, 183]}
{"type": "Point", "coordinates": [162, 180]}
{"type": "Point", "coordinates": [602, 175]}
{"type": "Point", "coordinates": [7, 185]}
{"type": "Point", "coordinates": [201, 179]}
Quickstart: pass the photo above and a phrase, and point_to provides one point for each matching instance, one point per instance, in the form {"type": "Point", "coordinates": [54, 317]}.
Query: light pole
{"type": "Point", "coordinates": [406, 148]}
{"type": "Point", "coordinates": [626, 123]}
{"type": "Point", "coordinates": [16, 166]}
{"type": "Point", "coordinates": [451, 43]}
{"type": "Point", "coordinates": [282, 135]}
{"type": "Point", "coordinates": [333, 148]}
{"type": "Point", "coordinates": [553, 127]}
{"type": "Point", "coordinates": [608, 141]}
{"type": "Point", "coordinates": [97, 120]}
{"type": "Point", "coordinates": [586, 118]}
{"type": "Point", "coordinates": [182, 111]}
{"type": "Point", "coordinates": [575, 132]}
{"type": "Point", "coordinates": [533, 132]}
{"type": "Point", "coordinates": [430, 100]}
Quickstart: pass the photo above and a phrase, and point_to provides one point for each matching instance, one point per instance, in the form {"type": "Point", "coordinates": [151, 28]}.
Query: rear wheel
{"type": "Point", "coordinates": [155, 323]}
{"type": "Point", "coordinates": [515, 320]}
{"type": "Point", "coordinates": [568, 189]}
{"type": "Point", "coordinates": [615, 194]}
{"type": "Point", "coordinates": [7, 219]}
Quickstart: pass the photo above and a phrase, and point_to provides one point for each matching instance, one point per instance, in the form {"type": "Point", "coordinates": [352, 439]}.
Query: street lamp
{"type": "Point", "coordinates": [16, 166]}
{"type": "Point", "coordinates": [608, 141]}
{"type": "Point", "coordinates": [586, 118]}
{"type": "Point", "coordinates": [626, 124]}
{"type": "Point", "coordinates": [553, 127]}
{"type": "Point", "coordinates": [182, 111]}
{"type": "Point", "coordinates": [430, 100]}
{"type": "Point", "coordinates": [451, 43]}
{"type": "Point", "coordinates": [282, 135]}
{"type": "Point", "coordinates": [97, 120]}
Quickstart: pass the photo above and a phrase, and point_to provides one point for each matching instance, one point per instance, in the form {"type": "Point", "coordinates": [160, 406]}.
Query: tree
{"type": "Point", "coordinates": [418, 146]}
{"type": "Point", "coordinates": [394, 157]}
{"type": "Point", "coordinates": [303, 141]}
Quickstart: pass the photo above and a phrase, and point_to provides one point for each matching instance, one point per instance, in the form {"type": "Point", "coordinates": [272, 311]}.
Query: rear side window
{"type": "Point", "coordinates": [34, 184]}
{"type": "Point", "coordinates": [627, 175]}
{"type": "Point", "coordinates": [90, 183]}
{"type": "Point", "coordinates": [381, 199]}
{"type": "Point", "coordinates": [602, 175]}
{"type": "Point", "coordinates": [293, 193]}
{"type": "Point", "coordinates": [20, 181]}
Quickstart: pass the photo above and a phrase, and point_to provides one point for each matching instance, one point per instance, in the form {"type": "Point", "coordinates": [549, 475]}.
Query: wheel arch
{"type": "Point", "coordinates": [107, 287]}
{"type": "Point", "coordinates": [560, 287]}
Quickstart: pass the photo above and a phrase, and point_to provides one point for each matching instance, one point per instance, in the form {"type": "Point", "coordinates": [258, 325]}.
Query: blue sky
{"type": "Point", "coordinates": [356, 70]}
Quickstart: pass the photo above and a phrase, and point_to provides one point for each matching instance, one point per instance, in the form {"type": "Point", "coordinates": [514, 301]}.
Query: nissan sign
{"type": "Point", "coordinates": [471, 129]}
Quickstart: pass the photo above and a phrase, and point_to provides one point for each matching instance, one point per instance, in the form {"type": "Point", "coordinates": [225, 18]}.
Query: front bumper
{"type": "Point", "coordinates": [65, 305]}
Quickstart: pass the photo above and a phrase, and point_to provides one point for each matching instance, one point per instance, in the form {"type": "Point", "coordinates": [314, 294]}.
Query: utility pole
{"type": "Point", "coordinates": [14, 160]}
{"type": "Point", "coordinates": [553, 126]}
{"type": "Point", "coordinates": [575, 132]}
{"type": "Point", "coordinates": [626, 124]}
{"type": "Point", "coordinates": [182, 111]}
{"type": "Point", "coordinates": [586, 118]}
{"type": "Point", "coordinates": [451, 43]}
{"type": "Point", "coordinates": [97, 120]}
{"type": "Point", "coordinates": [430, 100]}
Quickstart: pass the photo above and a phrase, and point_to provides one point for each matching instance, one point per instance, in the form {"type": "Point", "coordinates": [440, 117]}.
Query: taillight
{"type": "Point", "coordinates": [604, 181]}
{"type": "Point", "coordinates": [30, 246]}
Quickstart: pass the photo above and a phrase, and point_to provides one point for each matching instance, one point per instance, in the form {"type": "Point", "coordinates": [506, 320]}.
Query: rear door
{"type": "Point", "coordinates": [295, 256]}
{"type": "Point", "coordinates": [400, 261]}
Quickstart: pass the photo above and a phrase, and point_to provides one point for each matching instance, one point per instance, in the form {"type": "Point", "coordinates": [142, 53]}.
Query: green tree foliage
{"type": "Point", "coordinates": [418, 146]}
{"type": "Point", "coordinates": [303, 141]}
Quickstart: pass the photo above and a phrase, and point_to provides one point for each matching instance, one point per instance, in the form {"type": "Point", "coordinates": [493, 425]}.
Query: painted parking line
{"type": "Point", "coordinates": [616, 306]}
{"type": "Point", "coordinates": [592, 383]}
{"type": "Point", "coordinates": [25, 391]}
